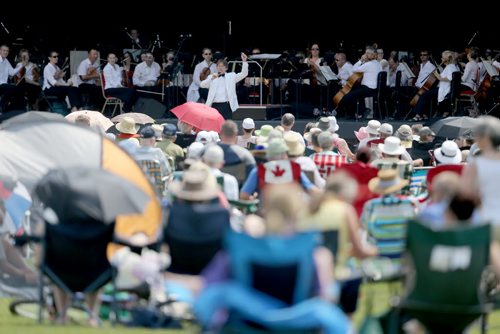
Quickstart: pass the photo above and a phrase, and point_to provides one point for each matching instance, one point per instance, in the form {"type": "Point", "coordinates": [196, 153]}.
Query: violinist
{"type": "Point", "coordinates": [10, 93]}
{"type": "Point", "coordinates": [29, 78]}
{"type": "Point", "coordinates": [205, 67]}
{"type": "Point", "coordinates": [146, 75]}
{"type": "Point", "coordinates": [370, 67]}
{"type": "Point", "coordinates": [54, 84]}
{"type": "Point", "coordinates": [88, 80]}
{"type": "Point", "coordinates": [315, 61]}
{"type": "Point", "coordinates": [471, 75]}
{"type": "Point", "coordinates": [113, 84]}
{"type": "Point", "coordinates": [127, 69]}
{"type": "Point", "coordinates": [449, 59]}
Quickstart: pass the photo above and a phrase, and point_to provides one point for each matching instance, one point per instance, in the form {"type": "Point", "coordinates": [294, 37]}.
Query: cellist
{"type": "Point", "coordinates": [370, 67]}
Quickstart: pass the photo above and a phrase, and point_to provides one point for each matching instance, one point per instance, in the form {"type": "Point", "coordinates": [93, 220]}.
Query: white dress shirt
{"type": "Point", "coordinates": [345, 72]}
{"type": "Point", "coordinates": [6, 70]}
{"type": "Point", "coordinates": [83, 70]}
{"type": "Point", "coordinates": [445, 86]}
{"type": "Point", "coordinates": [144, 73]}
{"type": "Point", "coordinates": [470, 78]}
{"type": "Point", "coordinates": [112, 76]}
{"type": "Point", "coordinates": [48, 76]}
{"type": "Point", "coordinates": [425, 70]}
{"type": "Point", "coordinates": [29, 70]}
{"type": "Point", "coordinates": [193, 94]}
{"type": "Point", "coordinates": [370, 70]}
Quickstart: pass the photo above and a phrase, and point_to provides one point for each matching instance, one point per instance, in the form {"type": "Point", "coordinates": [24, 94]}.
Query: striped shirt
{"type": "Point", "coordinates": [327, 162]}
{"type": "Point", "coordinates": [385, 218]}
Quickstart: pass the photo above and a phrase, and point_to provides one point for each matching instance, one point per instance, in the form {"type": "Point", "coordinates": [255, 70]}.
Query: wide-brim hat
{"type": "Point", "coordinates": [361, 133]}
{"type": "Point", "coordinates": [387, 182]}
{"type": "Point", "coordinates": [373, 127]}
{"type": "Point", "coordinates": [391, 146]}
{"type": "Point", "coordinates": [127, 125]}
{"type": "Point", "coordinates": [295, 146]}
{"type": "Point", "coordinates": [194, 187]}
{"type": "Point", "coordinates": [448, 153]}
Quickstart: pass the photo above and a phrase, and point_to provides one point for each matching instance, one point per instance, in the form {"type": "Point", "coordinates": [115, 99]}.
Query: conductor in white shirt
{"type": "Point", "coordinates": [222, 87]}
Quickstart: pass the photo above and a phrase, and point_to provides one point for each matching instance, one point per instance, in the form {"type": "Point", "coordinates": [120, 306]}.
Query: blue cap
{"type": "Point", "coordinates": [147, 132]}
{"type": "Point", "coordinates": [169, 129]}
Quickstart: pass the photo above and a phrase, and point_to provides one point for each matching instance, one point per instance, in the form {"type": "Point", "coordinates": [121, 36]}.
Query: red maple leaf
{"type": "Point", "coordinates": [278, 171]}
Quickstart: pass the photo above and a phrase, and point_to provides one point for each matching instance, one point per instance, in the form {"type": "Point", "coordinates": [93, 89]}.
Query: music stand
{"type": "Point", "coordinates": [136, 53]}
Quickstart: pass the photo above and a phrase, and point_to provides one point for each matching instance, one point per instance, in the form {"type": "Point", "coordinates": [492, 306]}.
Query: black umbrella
{"type": "Point", "coordinates": [81, 192]}
{"type": "Point", "coordinates": [454, 127]}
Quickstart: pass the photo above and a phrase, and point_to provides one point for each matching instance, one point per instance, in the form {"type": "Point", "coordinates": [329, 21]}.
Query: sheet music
{"type": "Point", "coordinates": [328, 73]}
{"type": "Point", "coordinates": [492, 71]}
{"type": "Point", "coordinates": [409, 73]}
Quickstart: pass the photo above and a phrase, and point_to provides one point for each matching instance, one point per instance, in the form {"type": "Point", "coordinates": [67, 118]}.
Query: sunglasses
{"type": "Point", "coordinates": [315, 49]}
{"type": "Point", "coordinates": [54, 56]}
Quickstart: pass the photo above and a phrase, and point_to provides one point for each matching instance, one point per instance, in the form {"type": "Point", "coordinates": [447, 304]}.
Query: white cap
{"type": "Point", "coordinates": [391, 146]}
{"type": "Point", "coordinates": [248, 123]}
{"type": "Point", "coordinates": [204, 137]}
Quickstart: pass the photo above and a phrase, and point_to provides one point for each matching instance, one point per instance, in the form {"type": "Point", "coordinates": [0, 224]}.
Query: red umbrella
{"type": "Point", "coordinates": [199, 115]}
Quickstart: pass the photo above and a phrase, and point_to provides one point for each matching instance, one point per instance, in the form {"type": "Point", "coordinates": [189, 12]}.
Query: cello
{"type": "Point", "coordinates": [352, 81]}
{"type": "Point", "coordinates": [429, 83]}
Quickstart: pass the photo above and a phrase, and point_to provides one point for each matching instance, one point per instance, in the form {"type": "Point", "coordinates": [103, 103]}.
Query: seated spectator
{"type": "Point", "coordinates": [213, 157]}
{"type": "Point", "coordinates": [248, 126]}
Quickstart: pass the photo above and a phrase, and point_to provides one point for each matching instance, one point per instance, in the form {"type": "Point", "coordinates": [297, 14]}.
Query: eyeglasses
{"type": "Point", "coordinates": [315, 49]}
{"type": "Point", "coordinates": [55, 56]}
{"type": "Point", "coordinates": [207, 54]}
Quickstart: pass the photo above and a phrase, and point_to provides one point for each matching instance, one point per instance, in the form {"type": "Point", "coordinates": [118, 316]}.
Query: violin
{"type": "Point", "coordinates": [352, 81]}
{"type": "Point", "coordinates": [205, 72]}
{"type": "Point", "coordinates": [126, 82]}
{"type": "Point", "coordinates": [20, 75]}
{"type": "Point", "coordinates": [36, 73]}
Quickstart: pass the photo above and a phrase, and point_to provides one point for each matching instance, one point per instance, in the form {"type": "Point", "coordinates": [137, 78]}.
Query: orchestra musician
{"type": "Point", "coordinates": [29, 81]}
{"type": "Point", "coordinates": [88, 80]}
{"type": "Point", "coordinates": [146, 73]}
{"type": "Point", "coordinates": [10, 93]}
{"type": "Point", "coordinates": [128, 68]}
{"type": "Point", "coordinates": [113, 85]}
{"type": "Point", "coordinates": [146, 76]}
{"type": "Point", "coordinates": [426, 70]}
{"type": "Point", "coordinates": [471, 75]}
{"type": "Point", "coordinates": [315, 61]}
{"type": "Point", "coordinates": [201, 71]}
{"type": "Point", "coordinates": [448, 58]}
{"type": "Point", "coordinates": [344, 67]}
{"type": "Point", "coordinates": [370, 67]}
{"type": "Point", "coordinates": [54, 83]}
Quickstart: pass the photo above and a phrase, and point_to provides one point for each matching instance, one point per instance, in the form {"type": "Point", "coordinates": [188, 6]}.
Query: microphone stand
{"type": "Point", "coordinates": [175, 71]}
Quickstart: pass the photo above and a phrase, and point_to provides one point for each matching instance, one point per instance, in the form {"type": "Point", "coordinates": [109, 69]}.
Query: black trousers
{"type": "Point", "coordinates": [224, 108]}
{"type": "Point", "coordinates": [127, 95]}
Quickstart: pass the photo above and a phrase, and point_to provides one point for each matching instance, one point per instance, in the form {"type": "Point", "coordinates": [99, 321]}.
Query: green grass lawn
{"type": "Point", "coordinates": [10, 324]}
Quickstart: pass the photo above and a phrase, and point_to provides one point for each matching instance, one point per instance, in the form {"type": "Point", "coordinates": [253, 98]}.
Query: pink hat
{"type": "Point", "coordinates": [361, 133]}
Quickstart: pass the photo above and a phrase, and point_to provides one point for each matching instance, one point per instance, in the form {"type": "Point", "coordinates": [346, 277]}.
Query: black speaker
{"type": "Point", "coordinates": [253, 111]}
{"type": "Point", "coordinates": [150, 107]}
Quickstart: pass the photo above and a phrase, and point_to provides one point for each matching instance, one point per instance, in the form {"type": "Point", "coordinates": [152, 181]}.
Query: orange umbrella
{"type": "Point", "coordinates": [199, 115]}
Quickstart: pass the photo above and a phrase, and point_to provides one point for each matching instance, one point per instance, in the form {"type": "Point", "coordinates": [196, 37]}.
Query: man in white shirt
{"type": "Point", "coordinates": [113, 83]}
{"type": "Point", "coordinates": [8, 92]}
{"type": "Point", "coordinates": [88, 79]}
{"type": "Point", "coordinates": [146, 75]}
{"type": "Point", "coordinates": [370, 67]}
{"type": "Point", "coordinates": [222, 87]}
{"type": "Point", "coordinates": [345, 67]}
{"type": "Point", "coordinates": [195, 92]}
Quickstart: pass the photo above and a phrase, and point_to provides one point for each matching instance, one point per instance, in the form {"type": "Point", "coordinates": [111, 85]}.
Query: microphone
{"type": "Point", "coordinates": [186, 36]}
